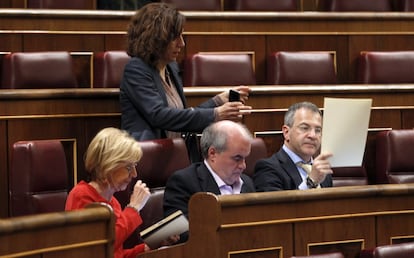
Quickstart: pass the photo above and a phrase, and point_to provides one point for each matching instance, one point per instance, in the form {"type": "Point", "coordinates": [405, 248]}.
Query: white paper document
{"type": "Point", "coordinates": [345, 129]}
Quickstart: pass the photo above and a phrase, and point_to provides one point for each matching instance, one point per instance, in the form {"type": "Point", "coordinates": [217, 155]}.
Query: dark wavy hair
{"type": "Point", "coordinates": [151, 29]}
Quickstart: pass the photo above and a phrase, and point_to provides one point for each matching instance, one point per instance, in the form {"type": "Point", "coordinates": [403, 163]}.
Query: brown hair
{"type": "Point", "coordinates": [151, 29]}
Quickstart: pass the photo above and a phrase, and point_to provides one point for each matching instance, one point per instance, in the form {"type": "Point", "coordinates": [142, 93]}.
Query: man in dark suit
{"type": "Point", "coordinates": [224, 146]}
{"type": "Point", "coordinates": [293, 166]}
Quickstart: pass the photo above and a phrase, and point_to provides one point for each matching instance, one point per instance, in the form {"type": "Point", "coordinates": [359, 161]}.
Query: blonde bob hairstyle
{"type": "Point", "coordinates": [110, 148]}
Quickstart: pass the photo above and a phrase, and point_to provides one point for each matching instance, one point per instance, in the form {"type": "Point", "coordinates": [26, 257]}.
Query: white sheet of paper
{"type": "Point", "coordinates": [345, 129]}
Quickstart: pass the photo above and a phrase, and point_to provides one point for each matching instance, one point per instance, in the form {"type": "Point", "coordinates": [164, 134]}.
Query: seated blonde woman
{"type": "Point", "coordinates": [111, 160]}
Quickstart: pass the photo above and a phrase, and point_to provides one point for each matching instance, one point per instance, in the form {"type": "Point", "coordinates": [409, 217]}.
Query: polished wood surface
{"type": "Point", "coordinates": [346, 34]}
{"type": "Point", "coordinates": [82, 233]}
{"type": "Point", "coordinates": [286, 223]}
{"type": "Point", "coordinates": [304, 5]}
{"type": "Point", "coordinates": [76, 115]}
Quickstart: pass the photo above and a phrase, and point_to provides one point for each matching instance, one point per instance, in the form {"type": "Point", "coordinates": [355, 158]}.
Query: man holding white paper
{"type": "Point", "coordinates": [294, 166]}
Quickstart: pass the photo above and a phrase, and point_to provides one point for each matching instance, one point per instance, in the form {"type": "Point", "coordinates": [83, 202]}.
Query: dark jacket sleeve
{"type": "Point", "coordinates": [178, 191]}
{"type": "Point", "coordinates": [267, 176]}
{"type": "Point", "coordinates": [248, 186]}
{"type": "Point", "coordinates": [278, 173]}
{"type": "Point", "coordinates": [144, 104]}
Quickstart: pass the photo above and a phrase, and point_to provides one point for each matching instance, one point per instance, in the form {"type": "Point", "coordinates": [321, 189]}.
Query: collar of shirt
{"type": "Point", "coordinates": [224, 188]}
{"type": "Point", "coordinates": [294, 157]}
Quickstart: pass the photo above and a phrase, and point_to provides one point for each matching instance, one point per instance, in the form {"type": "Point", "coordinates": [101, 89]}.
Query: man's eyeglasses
{"type": "Point", "coordinates": [307, 129]}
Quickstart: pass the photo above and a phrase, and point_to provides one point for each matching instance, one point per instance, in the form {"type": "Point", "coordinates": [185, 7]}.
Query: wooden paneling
{"type": "Point", "coordinates": [10, 42]}
{"type": "Point", "coordinates": [286, 223]}
{"type": "Point", "coordinates": [407, 119]}
{"type": "Point", "coordinates": [115, 42]}
{"type": "Point", "coordinates": [82, 233]}
{"type": "Point", "coordinates": [82, 66]}
{"type": "Point", "coordinates": [63, 42]}
{"type": "Point", "coordinates": [4, 163]}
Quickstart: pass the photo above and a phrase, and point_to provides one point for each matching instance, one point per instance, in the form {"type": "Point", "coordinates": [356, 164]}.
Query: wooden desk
{"type": "Point", "coordinates": [286, 223]}
{"type": "Point", "coordinates": [83, 233]}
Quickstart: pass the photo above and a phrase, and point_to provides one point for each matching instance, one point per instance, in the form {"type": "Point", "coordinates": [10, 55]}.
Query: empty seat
{"type": "Point", "coordinates": [327, 255]}
{"type": "Point", "coordinates": [355, 5]}
{"type": "Point", "coordinates": [152, 212]}
{"type": "Point", "coordinates": [385, 67]}
{"type": "Point", "coordinates": [301, 68]}
{"type": "Point", "coordinates": [219, 68]}
{"type": "Point", "coordinates": [260, 5]}
{"type": "Point", "coordinates": [108, 68]}
{"type": "Point", "coordinates": [61, 4]}
{"type": "Point", "coordinates": [258, 151]}
{"type": "Point", "coordinates": [390, 251]}
{"type": "Point", "coordinates": [394, 161]}
{"type": "Point", "coordinates": [347, 176]}
{"type": "Point", "coordinates": [38, 177]}
{"type": "Point", "coordinates": [160, 159]}
{"type": "Point", "coordinates": [191, 5]}
{"type": "Point", "coordinates": [38, 70]}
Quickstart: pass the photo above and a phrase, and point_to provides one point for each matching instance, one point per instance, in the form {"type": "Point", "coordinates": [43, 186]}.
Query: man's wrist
{"type": "Point", "coordinates": [310, 183]}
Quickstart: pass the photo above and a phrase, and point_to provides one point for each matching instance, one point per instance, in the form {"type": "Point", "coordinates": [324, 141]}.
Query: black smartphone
{"type": "Point", "coordinates": [234, 95]}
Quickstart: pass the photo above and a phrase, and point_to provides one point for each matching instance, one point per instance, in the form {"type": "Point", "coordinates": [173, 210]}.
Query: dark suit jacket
{"type": "Point", "coordinates": [278, 172]}
{"type": "Point", "coordinates": [193, 179]}
{"type": "Point", "coordinates": [144, 107]}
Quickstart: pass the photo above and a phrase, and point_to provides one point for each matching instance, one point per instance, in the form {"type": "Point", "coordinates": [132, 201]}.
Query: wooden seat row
{"type": "Point", "coordinates": [403, 249]}
{"type": "Point", "coordinates": [55, 69]}
{"type": "Point", "coordinates": [88, 32]}
{"type": "Point", "coordinates": [35, 161]}
{"type": "Point", "coordinates": [231, 5]}
{"type": "Point", "coordinates": [346, 220]}
{"type": "Point", "coordinates": [76, 115]}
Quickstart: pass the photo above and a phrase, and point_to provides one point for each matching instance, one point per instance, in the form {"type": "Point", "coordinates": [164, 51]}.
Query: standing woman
{"type": "Point", "coordinates": [152, 100]}
{"type": "Point", "coordinates": [111, 160]}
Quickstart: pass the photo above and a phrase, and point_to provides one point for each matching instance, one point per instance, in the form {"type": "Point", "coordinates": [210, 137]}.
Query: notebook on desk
{"type": "Point", "coordinates": [174, 224]}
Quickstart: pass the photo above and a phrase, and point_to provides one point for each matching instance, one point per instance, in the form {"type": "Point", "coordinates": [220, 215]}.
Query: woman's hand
{"type": "Point", "coordinates": [242, 90]}
{"type": "Point", "coordinates": [232, 111]}
{"type": "Point", "coordinates": [171, 240]}
{"type": "Point", "coordinates": [139, 196]}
